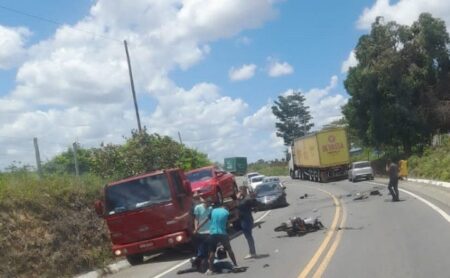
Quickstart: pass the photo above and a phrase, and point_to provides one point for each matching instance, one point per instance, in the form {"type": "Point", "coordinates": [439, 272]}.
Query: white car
{"type": "Point", "coordinates": [249, 176]}
{"type": "Point", "coordinates": [255, 181]}
{"type": "Point", "coordinates": [360, 169]}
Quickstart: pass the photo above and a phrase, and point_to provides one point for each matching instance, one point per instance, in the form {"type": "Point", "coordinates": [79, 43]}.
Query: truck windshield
{"type": "Point", "coordinates": [137, 194]}
{"type": "Point", "coordinates": [200, 175]}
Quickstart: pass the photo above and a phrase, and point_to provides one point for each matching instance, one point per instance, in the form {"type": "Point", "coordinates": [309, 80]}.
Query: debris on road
{"type": "Point", "coordinates": [304, 196]}
{"type": "Point", "coordinates": [265, 265]}
{"type": "Point", "coordinates": [375, 193]}
{"type": "Point", "coordinates": [360, 196]}
{"type": "Point", "coordinates": [297, 226]}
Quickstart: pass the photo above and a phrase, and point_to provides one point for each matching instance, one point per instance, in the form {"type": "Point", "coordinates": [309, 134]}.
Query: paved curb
{"type": "Point", "coordinates": [110, 269]}
{"type": "Point", "coordinates": [432, 182]}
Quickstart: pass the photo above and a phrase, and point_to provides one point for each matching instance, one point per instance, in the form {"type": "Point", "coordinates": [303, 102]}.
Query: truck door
{"type": "Point", "coordinates": [182, 199]}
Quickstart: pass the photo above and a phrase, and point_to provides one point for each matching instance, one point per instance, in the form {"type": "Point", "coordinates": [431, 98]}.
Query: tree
{"type": "Point", "coordinates": [144, 152]}
{"type": "Point", "coordinates": [293, 117]}
{"type": "Point", "coordinates": [400, 81]}
{"type": "Point", "coordinates": [64, 163]}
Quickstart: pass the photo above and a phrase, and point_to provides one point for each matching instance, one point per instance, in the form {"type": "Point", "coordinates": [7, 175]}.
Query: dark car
{"type": "Point", "coordinates": [270, 195]}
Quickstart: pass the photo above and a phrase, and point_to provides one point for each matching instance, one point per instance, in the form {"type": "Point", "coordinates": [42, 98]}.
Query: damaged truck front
{"type": "Point", "coordinates": [320, 156]}
{"type": "Point", "coordinates": [147, 213]}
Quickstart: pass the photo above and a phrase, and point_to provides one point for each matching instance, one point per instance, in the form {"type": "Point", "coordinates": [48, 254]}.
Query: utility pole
{"type": "Point", "coordinates": [179, 137]}
{"type": "Point", "coordinates": [132, 87]}
{"type": "Point", "coordinates": [77, 169]}
{"type": "Point", "coordinates": [38, 156]}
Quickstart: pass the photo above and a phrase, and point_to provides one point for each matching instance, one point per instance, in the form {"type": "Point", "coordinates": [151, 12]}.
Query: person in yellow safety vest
{"type": "Point", "coordinates": [403, 169]}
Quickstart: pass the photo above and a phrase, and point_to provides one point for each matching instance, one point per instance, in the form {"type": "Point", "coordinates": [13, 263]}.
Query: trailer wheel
{"type": "Point", "coordinates": [135, 259]}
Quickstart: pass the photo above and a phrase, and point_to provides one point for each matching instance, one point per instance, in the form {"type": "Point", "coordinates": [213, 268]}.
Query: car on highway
{"type": "Point", "coordinates": [212, 183]}
{"type": "Point", "coordinates": [360, 170]}
{"type": "Point", "coordinates": [270, 195]}
{"type": "Point", "coordinates": [255, 181]}
{"type": "Point", "coordinates": [272, 179]}
{"type": "Point", "coordinates": [248, 176]}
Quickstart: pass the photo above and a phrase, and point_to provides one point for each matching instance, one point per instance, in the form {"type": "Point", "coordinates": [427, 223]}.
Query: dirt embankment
{"type": "Point", "coordinates": [50, 230]}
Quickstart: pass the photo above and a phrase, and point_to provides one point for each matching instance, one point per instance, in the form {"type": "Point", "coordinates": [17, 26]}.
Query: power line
{"type": "Point", "coordinates": [54, 22]}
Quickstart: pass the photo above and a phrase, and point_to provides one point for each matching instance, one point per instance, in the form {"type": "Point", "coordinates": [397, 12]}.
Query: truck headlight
{"type": "Point", "coordinates": [179, 238]}
{"type": "Point", "coordinates": [118, 252]}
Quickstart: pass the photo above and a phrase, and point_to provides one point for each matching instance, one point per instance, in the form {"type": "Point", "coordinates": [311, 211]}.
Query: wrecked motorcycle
{"type": "Point", "coordinates": [298, 226]}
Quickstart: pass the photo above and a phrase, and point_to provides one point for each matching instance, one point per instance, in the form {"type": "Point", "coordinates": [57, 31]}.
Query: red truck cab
{"type": "Point", "coordinates": [147, 213]}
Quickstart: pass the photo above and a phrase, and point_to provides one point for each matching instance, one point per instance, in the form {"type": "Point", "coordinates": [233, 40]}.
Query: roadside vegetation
{"type": "Point", "coordinates": [433, 164]}
{"type": "Point", "coordinates": [269, 168]}
{"type": "Point", "coordinates": [48, 226]}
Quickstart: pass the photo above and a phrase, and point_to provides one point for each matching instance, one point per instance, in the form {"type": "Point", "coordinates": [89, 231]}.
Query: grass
{"type": "Point", "coordinates": [48, 227]}
{"type": "Point", "coordinates": [433, 164]}
{"type": "Point", "coordinates": [273, 169]}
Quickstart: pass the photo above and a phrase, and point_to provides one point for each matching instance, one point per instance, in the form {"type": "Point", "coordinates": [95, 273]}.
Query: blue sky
{"type": "Point", "coordinates": [207, 69]}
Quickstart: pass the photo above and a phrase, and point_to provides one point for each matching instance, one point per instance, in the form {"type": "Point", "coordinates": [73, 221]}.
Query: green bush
{"type": "Point", "coordinates": [433, 164]}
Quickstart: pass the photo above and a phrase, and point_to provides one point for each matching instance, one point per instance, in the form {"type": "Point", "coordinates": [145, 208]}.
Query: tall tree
{"type": "Point", "coordinates": [293, 117]}
{"type": "Point", "coordinates": [399, 83]}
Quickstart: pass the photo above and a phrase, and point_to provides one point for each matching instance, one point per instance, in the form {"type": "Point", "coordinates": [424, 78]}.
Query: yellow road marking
{"type": "Point", "coordinates": [327, 239]}
{"type": "Point", "coordinates": [321, 269]}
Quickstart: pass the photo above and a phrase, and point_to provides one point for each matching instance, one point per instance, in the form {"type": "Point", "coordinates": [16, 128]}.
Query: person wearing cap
{"type": "Point", "coordinates": [201, 214]}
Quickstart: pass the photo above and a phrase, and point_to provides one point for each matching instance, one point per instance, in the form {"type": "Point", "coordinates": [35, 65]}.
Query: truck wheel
{"type": "Point", "coordinates": [135, 259]}
{"type": "Point", "coordinates": [291, 173]}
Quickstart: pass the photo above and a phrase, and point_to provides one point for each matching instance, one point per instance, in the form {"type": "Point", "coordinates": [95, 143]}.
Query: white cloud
{"type": "Point", "coordinates": [245, 72]}
{"type": "Point", "coordinates": [404, 11]}
{"type": "Point", "coordinates": [277, 69]}
{"type": "Point", "coordinates": [74, 86]}
{"type": "Point", "coordinates": [324, 103]}
{"type": "Point", "coordinates": [244, 40]}
{"type": "Point", "coordinates": [12, 42]}
{"type": "Point", "coordinates": [350, 62]}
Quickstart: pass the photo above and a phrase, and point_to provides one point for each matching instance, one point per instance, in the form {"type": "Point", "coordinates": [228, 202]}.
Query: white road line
{"type": "Point", "coordinates": [431, 205]}
{"type": "Point", "coordinates": [186, 261]}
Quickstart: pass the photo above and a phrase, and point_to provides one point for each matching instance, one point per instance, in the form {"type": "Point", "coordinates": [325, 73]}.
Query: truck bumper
{"type": "Point", "coordinates": [151, 245]}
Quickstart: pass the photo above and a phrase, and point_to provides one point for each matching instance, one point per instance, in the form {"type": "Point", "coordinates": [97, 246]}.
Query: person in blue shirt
{"type": "Point", "coordinates": [218, 220]}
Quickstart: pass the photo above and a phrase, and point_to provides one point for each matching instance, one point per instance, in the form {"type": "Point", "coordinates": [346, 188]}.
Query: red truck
{"type": "Point", "coordinates": [148, 213]}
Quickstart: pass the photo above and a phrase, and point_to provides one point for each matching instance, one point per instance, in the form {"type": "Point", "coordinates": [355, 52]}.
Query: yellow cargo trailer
{"type": "Point", "coordinates": [320, 156]}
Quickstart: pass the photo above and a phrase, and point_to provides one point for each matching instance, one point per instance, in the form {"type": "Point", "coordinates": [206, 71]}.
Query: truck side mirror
{"type": "Point", "coordinates": [99, 208]}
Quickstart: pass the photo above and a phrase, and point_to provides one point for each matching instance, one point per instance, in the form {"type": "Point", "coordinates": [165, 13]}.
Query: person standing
{"type": "Point", "coordinates": [218, 220]}
{"type": "Point", "coordinates": [393, 180]}
{"type": "Point", "coordinates": [245, 205]}
{"type": "Point", "coordinates": [201, 214]}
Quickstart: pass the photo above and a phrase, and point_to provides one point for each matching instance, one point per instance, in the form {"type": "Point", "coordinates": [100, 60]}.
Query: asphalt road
{"type": "Point", "coordinates": [373, 237]}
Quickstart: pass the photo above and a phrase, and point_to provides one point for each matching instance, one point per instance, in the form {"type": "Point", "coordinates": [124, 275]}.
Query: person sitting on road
{"type": "Point", "coordinates": [218, 234]}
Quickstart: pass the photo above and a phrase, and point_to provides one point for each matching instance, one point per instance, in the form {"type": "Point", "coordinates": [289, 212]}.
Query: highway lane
{"type": "Point", "coordinates": [378, 239]}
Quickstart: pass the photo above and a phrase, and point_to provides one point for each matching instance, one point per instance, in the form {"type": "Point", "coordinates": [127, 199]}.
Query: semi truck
{"type": "Point", "coordinates": [320, 156]}
{"type": "Point", "coordinates": [149, 213]}
{"type": "Point", "coordinates": [236, 165]}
